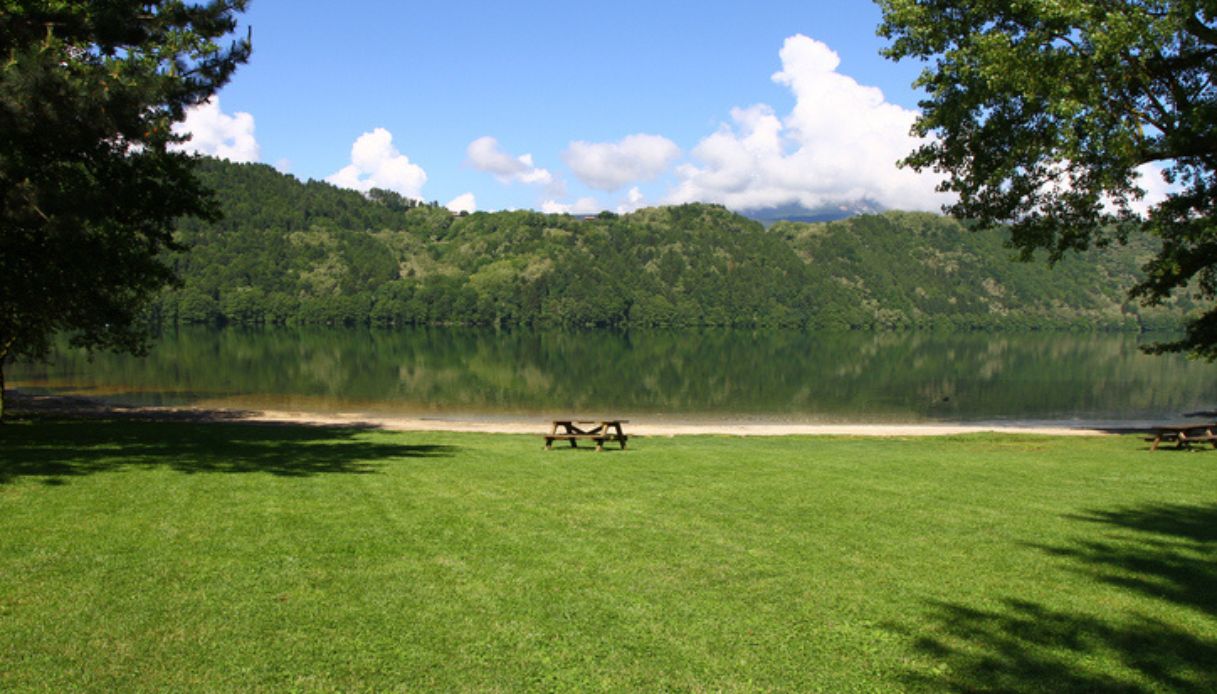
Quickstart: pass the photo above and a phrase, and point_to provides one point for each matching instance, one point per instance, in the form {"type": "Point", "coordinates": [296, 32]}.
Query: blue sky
{"type": "Point", "coordinates": [575, 106]}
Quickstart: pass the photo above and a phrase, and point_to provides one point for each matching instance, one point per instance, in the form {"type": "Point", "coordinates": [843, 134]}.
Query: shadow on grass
{"type": "Point", "coordinates": [61, 448]}
{"type": "Point", "coordinates": [1168, 552]}
{"type": "Point", "coordinates": [1163, 552]}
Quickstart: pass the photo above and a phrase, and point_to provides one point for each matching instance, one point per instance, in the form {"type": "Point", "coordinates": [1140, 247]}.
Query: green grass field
{"type": "Point", "coordinates": [138, 556]}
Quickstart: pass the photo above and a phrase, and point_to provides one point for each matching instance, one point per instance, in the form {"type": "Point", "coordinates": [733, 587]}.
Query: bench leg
{"type": "Point", "coordinates": [549, 444]}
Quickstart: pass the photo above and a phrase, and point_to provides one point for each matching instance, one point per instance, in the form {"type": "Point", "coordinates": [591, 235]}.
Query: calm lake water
{"type": "Point", "coordinates": [786, 376]}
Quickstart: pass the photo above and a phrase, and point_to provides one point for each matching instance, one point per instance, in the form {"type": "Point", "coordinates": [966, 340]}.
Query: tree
{"type": "Point", "coordinates": [1044, 114]}
{"type": "Point", "coordinates": [391, 199]}
{"type": "Point", "coordinates": [90, 185]}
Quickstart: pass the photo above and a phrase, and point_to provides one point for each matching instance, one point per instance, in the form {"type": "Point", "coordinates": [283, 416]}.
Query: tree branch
{"type": "Point", "coordinates": [1197, 28]}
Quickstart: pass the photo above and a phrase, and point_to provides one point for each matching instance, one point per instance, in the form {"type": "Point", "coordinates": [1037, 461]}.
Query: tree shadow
{"type": "Point", "coordinates": [1164, 552]}
{"type": "Point", "coordinates": [58, 449]}
{"type": "Point", "coordinates": [1167, 552]}
{"type": "Point", "coordinates": [1194, 523]}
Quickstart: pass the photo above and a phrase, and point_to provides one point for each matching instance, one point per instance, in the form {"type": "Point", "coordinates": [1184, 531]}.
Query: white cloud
{"type": "Point", "coordinates": [463, 203]}
{"type": "Point", "coordinates": [580, 206]}
{"type": "Point", "coordinates": [613, 165]}
{"type": "Point", "coordinates": [838, 145]}
{"type": "Point", "coordinates": [218, 134]}
{"type": "Point", "coordinates": [1155, 186]}
{"type": "Point", "coordinates": [1148, 177]}
{"type": "Point", "coordinates": [485, 154]}
{"type": "Point", "coordinates": [376, 163]}
{"type": "Point", "coordinates": [633, 201]}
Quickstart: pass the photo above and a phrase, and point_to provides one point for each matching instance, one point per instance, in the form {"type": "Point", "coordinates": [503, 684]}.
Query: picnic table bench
{"type": "Point", "coordinates": [598, 430]}
{"type": "Point", "coordinates": [1182, 435]}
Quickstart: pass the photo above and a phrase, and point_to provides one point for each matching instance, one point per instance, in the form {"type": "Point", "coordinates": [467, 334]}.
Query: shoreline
{"type": "Point", "coordinates": [89, 408]}
{"type": "Point", "coordinates": [639, 428]}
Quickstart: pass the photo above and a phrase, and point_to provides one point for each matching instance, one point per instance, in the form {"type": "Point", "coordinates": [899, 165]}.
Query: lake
{"type": "Point", "coordinates": [693, 375]}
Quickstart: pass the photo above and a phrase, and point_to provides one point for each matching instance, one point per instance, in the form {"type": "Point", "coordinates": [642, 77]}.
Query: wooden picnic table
{"type": "Point", "coordinates": [1183, 435]}
{"type": "Point", "coordinates": [598, 430]}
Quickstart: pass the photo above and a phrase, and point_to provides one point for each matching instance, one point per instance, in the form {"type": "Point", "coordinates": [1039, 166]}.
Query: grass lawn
{"type": "Point", "coordinates": [141, 556]}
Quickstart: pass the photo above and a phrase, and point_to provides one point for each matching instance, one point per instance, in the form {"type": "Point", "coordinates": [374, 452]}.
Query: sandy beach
{"type": "Point", "coordinates": [668, 425]}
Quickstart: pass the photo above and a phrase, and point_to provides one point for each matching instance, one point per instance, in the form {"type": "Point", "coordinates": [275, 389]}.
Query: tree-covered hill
{"type": "Point", "coordinates": [288, 251]}
{"type": "Point", "coordinates": [905, 269]}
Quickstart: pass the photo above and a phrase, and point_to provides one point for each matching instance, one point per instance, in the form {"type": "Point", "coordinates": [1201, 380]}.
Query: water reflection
{"type": "Point", "coordinates": [785, 375]}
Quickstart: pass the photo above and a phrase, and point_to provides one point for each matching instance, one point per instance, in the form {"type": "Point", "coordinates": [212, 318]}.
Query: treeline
{"type": "Point", "coordinates": [310, 253]}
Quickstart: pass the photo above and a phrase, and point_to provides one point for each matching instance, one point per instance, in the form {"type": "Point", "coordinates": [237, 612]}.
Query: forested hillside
{"type": "Point", "coordinates": [288, 251]}
{"type": "Point", "coordinates": [903, 269]}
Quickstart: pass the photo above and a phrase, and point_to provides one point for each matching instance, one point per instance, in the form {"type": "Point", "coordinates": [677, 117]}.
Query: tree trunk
{"type": "Point", "coordinates": [4, 349]}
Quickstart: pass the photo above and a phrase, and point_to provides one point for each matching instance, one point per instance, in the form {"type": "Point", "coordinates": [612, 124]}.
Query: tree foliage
{"type": "Point", "coordinates": [1043, 114]}
{"type": "Point", "coordinates": [89, 184]}
{"type": "Point", "coordinates": [287, 251]}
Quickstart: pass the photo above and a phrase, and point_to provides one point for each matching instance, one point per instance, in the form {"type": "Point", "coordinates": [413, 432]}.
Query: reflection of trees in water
{"type": "Point", "coordinates": [1164, 554]}
{"type": "Point", "coordinates": [851, 374]}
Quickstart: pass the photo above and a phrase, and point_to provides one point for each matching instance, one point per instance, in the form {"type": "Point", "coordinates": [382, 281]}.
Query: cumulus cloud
{"type": "Point", "coordinates": [1155, 186]}
{"type": "Point", "coordinates": [613, 165]}
{"type": "Point", "coordinates": [580, 206]}
{"type": "Point", "coordinates": [463, 203]}
{"type": "Point", "coordinates": [485, 154]}
{"type": "Point", "coordinates": [215, 133]}
{"type": "Point", "coordinates": [376, 163]}
{"type": "Point", "coordinates": [838, 145]}
{"type": "Point", "coordinates": [1148, 177]}
{"type": "Point", "coordinates": [634, 200]}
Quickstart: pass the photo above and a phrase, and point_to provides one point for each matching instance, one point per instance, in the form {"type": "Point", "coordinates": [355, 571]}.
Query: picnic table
{"type": "Point", "coordinates": [598, 430]}
{"type": "Point", "coordinates": [1183, 435]}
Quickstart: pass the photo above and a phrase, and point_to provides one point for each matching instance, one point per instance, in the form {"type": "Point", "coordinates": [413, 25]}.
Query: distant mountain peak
{"type": "Point", "coordinates": [825, 213]}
